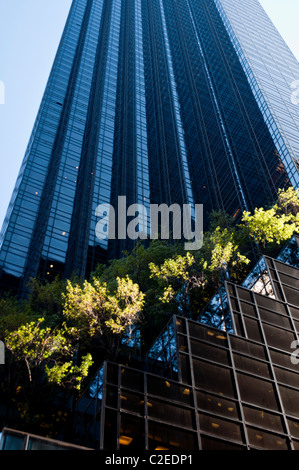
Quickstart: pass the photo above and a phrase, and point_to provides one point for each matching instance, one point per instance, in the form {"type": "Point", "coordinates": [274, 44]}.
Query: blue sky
{"type": "Point", "coordinates": [30, 31]}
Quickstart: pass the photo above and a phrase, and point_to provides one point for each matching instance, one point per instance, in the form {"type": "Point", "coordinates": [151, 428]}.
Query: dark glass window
{"type": "Point", "coordinates": [210, 443]}
{"type": "Point", "coordinates": [257, 391]}
{"type": "Point", "coordinates": [167, 389]}
{"type": "Point", "coordinates": [220, 427]}
{"type": "Point", "coordinates": [251, 365]}
{"type": "Point", "coordinates": [110, 431]}
{"type": "Point", "coordinates": [264, 419]}
{"type": "Point", "coordinates": [171, 414]}
{"type": "Point", "coordinates": [253, 329]}
{"type": "Point", "coordinates": [213, 378]}
{"type": "Point", "coordinates": [294, 427]}
{"type": "Point", "coordinates": [294, 312]}
{"type": "Point", "coordinates": [207, 334]}
{"type": "Point", "coordinates": [132, 434]}
{"type": "Point", "coordinates": [245, 294]}
{"type": "Point", "coordinates": [132, 379]}
{"type": "Point", "coordinates": [248, 309]}
{"type": "Point", "coordinates": [163, 437]}
{"type": "Point", "coordinates": [247, 347]}
{"type": "Point", "coordinates": [181, 325]}
{"type": "Point", "coordinates": [275, 318]}
{"type": "Point", "coordinates": [287, 377]}
{"type": "Point", "coordinates": [132, 402]}
{"type": "Point", "coordinates": [217, 405]}
{"type": "Point", "coordinates": [278, 338]}
{"type": "Point", "coordinates": [111, 396]}
{"type": "Point", "coordinates": [283, 359]}
{"type": "Point", "coordinates": [185, 369]}
{"type": "Point", "coordinates": [210, 352]}
{"type": "Point", "coordinates": [290, 400]}
{"type": "Point", "coordinates": [182, 343]}
{"type": "Point", "coordinates": [271, 304]}
{"type": "Point", "coordinates": [264, 440]}
{"type": "Point", "coordinates": [112, 373]}
{"type": "Point", "coordinates": [292, 295]}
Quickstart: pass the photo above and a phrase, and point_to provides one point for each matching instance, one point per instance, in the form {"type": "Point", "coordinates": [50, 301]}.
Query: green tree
{"type": "Point", "coordinates": [103, 314]}
{"type": "Point", "coordinates": [46, 350]}
{"type": "Point", "coordinates": [268, 228]}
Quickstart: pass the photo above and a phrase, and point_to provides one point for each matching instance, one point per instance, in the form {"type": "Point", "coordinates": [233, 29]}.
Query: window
{"type": "Point", "coordinates": [264, 440]}
{"type": "Point", "coordinates": [213, 378]}
{"type": "Point", "coordinates": [256, 391]}
{"type": "Point", "coordinates": [220, 427]}
{"type": "Point", "coordinates": [163, 437]}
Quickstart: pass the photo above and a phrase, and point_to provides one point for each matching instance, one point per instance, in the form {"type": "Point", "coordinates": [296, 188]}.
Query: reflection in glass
{"type": "Point", "coordinates": [217, 313]}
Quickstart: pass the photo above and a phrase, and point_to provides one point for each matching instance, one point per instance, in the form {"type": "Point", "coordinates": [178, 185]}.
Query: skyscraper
{"type": "Point", "coordinates": [161, 101]}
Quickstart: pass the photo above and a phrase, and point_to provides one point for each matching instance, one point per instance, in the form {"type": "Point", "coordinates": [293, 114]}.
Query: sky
{"type": "Point", "coordinates": [30, 31]}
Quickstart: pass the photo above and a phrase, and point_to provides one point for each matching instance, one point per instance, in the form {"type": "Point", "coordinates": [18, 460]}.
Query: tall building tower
{"type": "Point", "coordinates": [161, 101]}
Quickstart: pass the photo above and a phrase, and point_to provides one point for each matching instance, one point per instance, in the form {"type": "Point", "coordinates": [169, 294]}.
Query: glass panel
{"type": "Point", "coordinates": [290, 400]}
{"type": "Point", "coordinates": [247, 347]}
{"type": "Point", "coordinates": [294, 312]}
{"type": "Point", "coordinates": [231, 289]}
{"type": "Point", "coordinates": [36, 444]}
{"type": "Point", "coordinates": [292, 295]}
{"type": "Point", "coordinates": [291, 281]}
{"type": "Point", "coordinates": [278, 338]}
{"type": "Point", "coordinates": [12, 442]}
{"type": "Point", "coordinates": [253, 330]}
{"type": "Point", "coordinates": [287, 377]}
{"type": "Point", "coordinates": [170, 390]}
{"type": "Point", "coordinates": [132, 402]}
{"type": "Point", "coordinates": [131, 432]}
{"type": "Point", "coordinates": [239, 324]}
{"type": "Point", "coordinates": [285, 268]}
{"type": "Point", "coordinates": [185, 369]}
{"type": "Point", "coordinates": [234, 304]}
{"type": "Point", "coordinates": [275, 318]}
{"type": "Point", "coordinates": [263, 419]}
{"type": "Point", "coordinates": [256, 391]}
{"type": "Point", "coordinates": [162, 437]}
{"type": "Point", "coordinates": [248, 309]}
{"type": "Point", "coordinates": [182, 343]}
{"type": "Point", "coordinates": [168, 413]}
{"type": "Point", "coordinates": [110, 430]}
{"type": "Point", "coordinates": [250, 365]}
{"type": "Point", "coordinates": [271, 304]}
{"type": "Point", "coordinates": [111, 396]}
{"type": "Point", "coordinates": [265, 440]}
{"type": "Point", "coordinates": [210, 352]}
{"type": "Point", "coordinates": [132, 379]}
{"type": "Point", "coordinates": [245, 294]}
{"type": "Point", "coordinates": [96, 387]}
{"type": "Point", "coordinates": [112, 373]}
{"type": "Point", "coordinates": [220, 427]}
{"type": "Point", "coordinates": [181, 325]}
{"type": "Point", "coordinates": [294, 427]}
{"type": "Point", "coordinates": [282, 359]}
{"type": "Point", "coordinates": [210, 443]}
{"type": "Point", "coordinates": [213, 378]}
{"type": "Point", "coordinates": [217, 405]}
{"type": "Point", "coordinates": [208, 334]}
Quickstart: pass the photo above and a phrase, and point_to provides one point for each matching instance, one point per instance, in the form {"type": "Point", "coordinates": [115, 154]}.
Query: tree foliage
{"type": "Point", "coordinates": [97, 311]}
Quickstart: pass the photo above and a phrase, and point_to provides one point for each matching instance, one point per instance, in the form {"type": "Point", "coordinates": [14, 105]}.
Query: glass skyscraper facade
{"type": "Point", "coordinates": [163, 102]}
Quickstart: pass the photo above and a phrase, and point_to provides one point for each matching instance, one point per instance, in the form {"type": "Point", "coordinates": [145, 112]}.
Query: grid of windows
{"type": "Point", "coordinates": [205, 388]}
{"type": "Point", "coordinates": [271, 68]}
